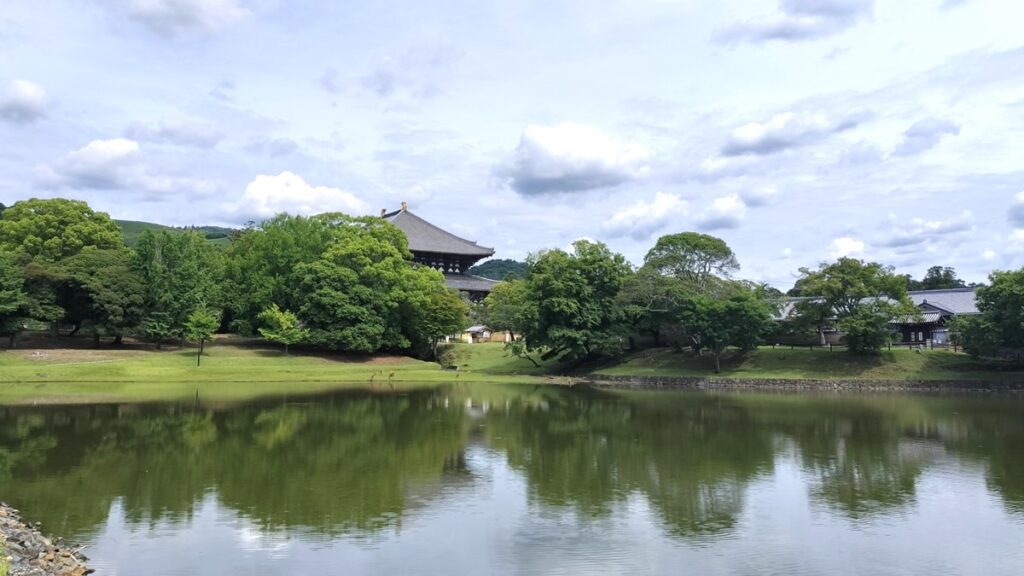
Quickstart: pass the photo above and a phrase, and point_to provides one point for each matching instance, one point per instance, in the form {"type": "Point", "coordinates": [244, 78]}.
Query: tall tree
{"type": "Point", "coordinates": [263, 263]}
{"type": "Point", "coordinates": [1001, 304]}
{"type": "Point", "coordinates": [737, 321]}
{"type": "Point", "coordinates": [181, 272]}
{"type": "Point", "coordinates": [692, 257]}
{"type": "Point", "coordinates": [56, 228]}
{"type": "Point", "coordinates": [103, 288]}
{"type": "Point", "coordinates": [12, 298]}
{"type": "Point", "coordinates": [577, 313]}
{"type": "Point", "coordinates": [937, 278]}
{"type": "Point", "coordinates": [40, 233]}
{"type": "Point", "coordinates": [858, 295]}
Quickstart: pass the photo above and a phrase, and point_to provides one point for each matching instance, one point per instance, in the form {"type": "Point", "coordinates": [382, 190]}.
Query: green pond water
{"type": "Point", "coordinates": [529, 480]}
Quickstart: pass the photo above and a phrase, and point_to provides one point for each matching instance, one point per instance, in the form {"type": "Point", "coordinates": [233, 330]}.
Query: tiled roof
{"type": "Point", "coordinates": [955, 300]}
{"type": "Point", "coordinates": [425, 237]}
{"type": "Point", "coordinates": [468, 282]}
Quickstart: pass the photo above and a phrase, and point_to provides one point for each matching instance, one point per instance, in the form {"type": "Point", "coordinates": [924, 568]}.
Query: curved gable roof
{"type": "Point", "coordinates": [425, 237]}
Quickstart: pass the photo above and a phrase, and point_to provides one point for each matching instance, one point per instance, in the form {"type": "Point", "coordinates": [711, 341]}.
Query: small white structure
{"type": "Point", "coordinates": [478, 333]}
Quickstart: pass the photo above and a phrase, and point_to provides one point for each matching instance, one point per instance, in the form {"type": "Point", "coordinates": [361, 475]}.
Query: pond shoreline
{"type": "Point", "coordinates": [798, 385]}
{"type": "Point", "coordinates": [28, 552]}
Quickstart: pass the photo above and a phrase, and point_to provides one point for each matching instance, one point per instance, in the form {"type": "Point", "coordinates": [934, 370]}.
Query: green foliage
{"type": "Point", "coordinates": [1002, 304]}
{"type": "Point", "coordinates": [977, 335]}
{"type": "Point", "coordinates": [867, 329]}
{"type": "Point", "coordinates": [692, 257]}
{"type": "Point", "coordinates": [1001, 321]}
{"type": "Point", "coordinates": [200, 327]}
{"type": "Point", "coordinates": [12, 296]}
{"type": "Point", "coordinates": [181, 272]}
{"type": "Point", "coordinates": [738, 321]}
{"type": "Point", "coordinates": [859, 296]}
{"type": "Point", "coordinates": [507, 308]}
{"type": "Point", "coordinates": [500, 269]}
{"type": "Point", "coordinates": [282, 326]}
{"type": "Point", "coordinates": [157, 328]}
{"type": "Point", "coordinates": [432, 311]}
{"type": "Point", "coordinates": [263, 262]}
{"type": "Point", "coordinates": [936, 278]}
{"type": "Point", "coordinates": [576, 312]}
{"type": "Point", "coordinates": [102, 287]}
{"type": "Point", "coordinates": [55, 228]}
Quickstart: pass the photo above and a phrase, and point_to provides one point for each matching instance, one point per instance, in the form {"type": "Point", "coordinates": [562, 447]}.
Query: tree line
{"type": "Point", "coordinates": [332, 280]}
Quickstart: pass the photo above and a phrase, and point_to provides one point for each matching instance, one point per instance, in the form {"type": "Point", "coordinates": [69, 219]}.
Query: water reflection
{"type": "Point", "coordinates": [362, 466]}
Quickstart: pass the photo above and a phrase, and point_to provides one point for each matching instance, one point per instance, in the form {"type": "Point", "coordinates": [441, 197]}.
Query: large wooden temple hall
{"type": "Point", "coordinates": [444, 251]}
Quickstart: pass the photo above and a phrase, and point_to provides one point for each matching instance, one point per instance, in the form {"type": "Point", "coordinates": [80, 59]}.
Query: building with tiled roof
{"type": "Point", "coordinates": [443, 251]}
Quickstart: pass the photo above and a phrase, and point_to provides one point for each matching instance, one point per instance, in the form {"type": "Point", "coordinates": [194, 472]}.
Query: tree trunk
{"type": "Point", "coordinates": [10, 340]}
{"type": "Point", "coordinates": [199, 353]}
{"type": "Point", "coordinates": [75, 330]}
{"type": "Point", "coordinates": [285, 348]}
{"type": "Point", "coordinates": [821, 336]}
{"type": "Point", "coordinates": [118, 340]}
{"type": "Point", "coordinates": [718, 363]}
{"type": "Point", "coordinates": [96, 339]}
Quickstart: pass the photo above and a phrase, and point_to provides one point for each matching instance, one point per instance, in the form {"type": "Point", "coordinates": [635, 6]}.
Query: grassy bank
{"type": "Point", "coordinates": [818, 364]}
{"type": "Point", "coordinates": [64, 371]}
{"type": "Point", "coordinates": [231, 370]}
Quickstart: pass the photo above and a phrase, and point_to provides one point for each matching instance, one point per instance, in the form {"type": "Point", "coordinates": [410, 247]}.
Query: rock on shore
{"type": "Point", "coordinates": [29, 553]}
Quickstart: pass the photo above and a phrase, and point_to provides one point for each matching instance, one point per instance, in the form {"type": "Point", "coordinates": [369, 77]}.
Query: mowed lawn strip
{"type": "Point", "coordinates": [817, 364]}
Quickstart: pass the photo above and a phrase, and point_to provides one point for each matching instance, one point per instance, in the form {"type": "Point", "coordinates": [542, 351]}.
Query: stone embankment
{"type": "Point", "coordinates": [29, 553]}
{"type": "Point", "coordinates": [767, 384]}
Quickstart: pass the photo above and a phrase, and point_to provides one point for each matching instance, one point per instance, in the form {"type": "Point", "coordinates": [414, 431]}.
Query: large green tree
{"type": "Point", "coordinates": [576, 313]}
{"type": "Point", "coordinates": [102, 287]}
{"type": "Point", "coordinates": [56, 228]}
{"type": "Point", "coordinates": [861, 297]}
{"type": "Point", "coordinates": [937, 278]}
{"type": "Point", "coordinates": [12, 298]}
{"type": "Point", "coordinates": [263, 264]}
{"type": "Point", "coordinates": [181, 272]}
{"type": "Point", "coordinates": [41, 233]}
{"type": "Point", "coordinates": [1000, 323]}
{"type": "Point", "coordinates": [692, 257]}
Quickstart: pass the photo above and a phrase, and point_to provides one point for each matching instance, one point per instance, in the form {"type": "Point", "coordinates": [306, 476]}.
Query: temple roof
{"type": "Point", "coordinates": [425, 237]}
{"type": "Point", "coordinates": [952, 300]}
{"type": "Point", "coordinates": [468, 282]}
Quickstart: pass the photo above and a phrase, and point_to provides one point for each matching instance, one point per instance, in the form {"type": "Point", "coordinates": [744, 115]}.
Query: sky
{"type": "Point", "coordinates": [796, 130]}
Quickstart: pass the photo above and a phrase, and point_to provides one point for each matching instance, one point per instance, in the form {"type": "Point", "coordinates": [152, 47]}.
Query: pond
{"type": "Point", "coordinates": [529, 480]}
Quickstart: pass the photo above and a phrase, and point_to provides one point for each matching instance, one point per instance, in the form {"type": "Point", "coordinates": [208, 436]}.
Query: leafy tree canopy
{"type": "Point", "coordinates": [936, 278]}
{"type": "Point", "coordinates": [500, 269]}
{"type": "Point", "coordinates": [692, 257]}
{"type": "Point", "coordinates": [56, 228]}
{"type": "Point", "coordinates": [577, 313]}
{"type": "Point", "coordinates": [282, 326]}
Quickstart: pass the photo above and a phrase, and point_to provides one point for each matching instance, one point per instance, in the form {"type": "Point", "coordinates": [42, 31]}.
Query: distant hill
{"type": "Point", "coordinates": [133, 229]}
{"type": "Point", "coordinates": [499, 269]}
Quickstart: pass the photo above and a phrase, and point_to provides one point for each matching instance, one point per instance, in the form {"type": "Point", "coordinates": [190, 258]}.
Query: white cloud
{"type": "Point", "coordinates": [785, 131]}
{"type": "Point", "coordinates": [757, 197]}
{"type": "Point", "coordinates": [846, 246]}
{"type": "Point", "coordinates": [641, 219]}
{"type": "Point", "coordinates": [115, 164]}
{"type": "Point", "coordinates": [182, 133]}
{"type": "Point", "coordinates": [179, 18]}
{"type": "Point", "coordinates": [799, 20]}
{"type": "Point", "coordinates": [268, 195]}
{"type": "Point", "coordinates": [924, 135]}
{"type": "Point", "coordinates": [919, 231]}
{"type": "Point", "coordinates": [724, 212]}
{"type": "Point", "coordinates": [24, 102]}
{"type": "Point", "coordinates": [572, 157]}
{"type": "Point", "coordinates": [1016, 211]}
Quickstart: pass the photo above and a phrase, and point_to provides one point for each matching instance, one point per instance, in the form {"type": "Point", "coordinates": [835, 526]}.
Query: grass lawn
{"type": "Point", "coordinates": [805, 364]}
{"type": "Point", "coordinates": [231, 370]}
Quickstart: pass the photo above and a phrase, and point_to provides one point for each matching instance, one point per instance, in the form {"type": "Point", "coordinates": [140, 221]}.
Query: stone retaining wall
{"type": "Point", "coordinates": [29, 553]}
{"type": "Point", "coordinates": [705, 383]}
